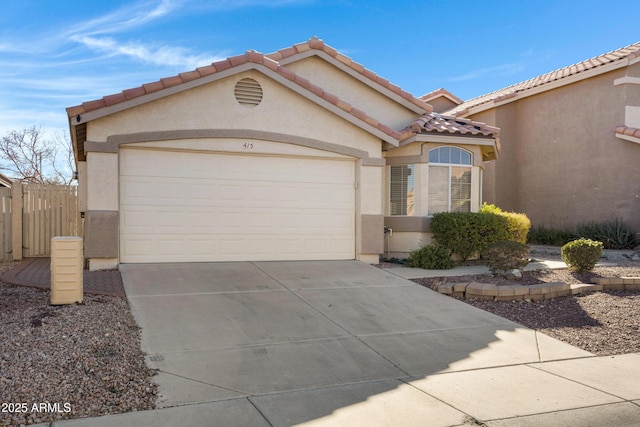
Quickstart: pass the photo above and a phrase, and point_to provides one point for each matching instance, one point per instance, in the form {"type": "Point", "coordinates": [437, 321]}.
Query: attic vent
{"type": "Point", "coordinates": [248, 92]}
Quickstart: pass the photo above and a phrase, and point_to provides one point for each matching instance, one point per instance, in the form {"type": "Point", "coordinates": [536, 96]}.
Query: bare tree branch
{"type": "Point", "coordinates": [26, 156]}
{"type": "Point", "coordinates": [63, 168]}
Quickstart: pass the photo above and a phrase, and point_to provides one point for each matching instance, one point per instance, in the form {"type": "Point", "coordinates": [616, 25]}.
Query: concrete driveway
{"type": "Point", "coordinates": [293, 342]}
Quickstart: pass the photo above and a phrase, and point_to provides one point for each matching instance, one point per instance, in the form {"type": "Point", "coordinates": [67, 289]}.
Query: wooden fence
{"type": "Point", "coordinates": [34, 213]}
{"type": "Point", "coordinates": [5, 224]}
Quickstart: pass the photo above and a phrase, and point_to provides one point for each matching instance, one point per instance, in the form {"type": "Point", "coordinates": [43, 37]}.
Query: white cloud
{"type": "Point", "coordinates": [125, 18]}
{"type": "Point", "coordinates": [98, 35]}
{"type": "Point", "coordinates": [159, 55]}
{"type": "Point", "coordinates": [502, 70]}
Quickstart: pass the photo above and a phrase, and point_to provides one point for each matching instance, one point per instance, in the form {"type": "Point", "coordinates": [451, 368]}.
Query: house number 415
{"type": "Point", "coordinates": [247, 146]}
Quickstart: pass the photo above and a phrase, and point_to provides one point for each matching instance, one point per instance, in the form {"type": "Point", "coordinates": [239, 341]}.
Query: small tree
{"type": "Point", "coordinates": [27, 156]}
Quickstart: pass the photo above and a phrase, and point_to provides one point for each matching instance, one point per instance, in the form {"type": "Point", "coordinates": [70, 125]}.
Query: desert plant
{"type": "Point", "coordinates": [614, 234]}
{"type": "Point", "coordinates": [581, 254]}
{"type": "Point", "coordinates": [540, 235]}
{"type": "Point", "coordinates": [518, 224]}
{"type": "Point", "coordinates": [505, 255]}
{"type": "Point", "coordinates": [431, 257]}
{"type": "Point", "coordinates": [467, 233]}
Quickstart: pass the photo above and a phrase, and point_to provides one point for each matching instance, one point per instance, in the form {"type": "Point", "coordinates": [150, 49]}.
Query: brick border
{"type": "Point", "coordinates": [538, 292]}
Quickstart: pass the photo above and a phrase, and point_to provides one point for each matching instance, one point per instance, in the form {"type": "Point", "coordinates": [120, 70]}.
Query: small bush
{"type": "Point", "coordinates": [549, 236]}
{"type": "Point", "coordinates": [467, 233]}
{"type": "Point", "coordinates": [614, 234]}
{"type": "Point", "coordinates": [581, 254]}
{"type": "Point", "coordinates": [518, 224]}
{"type": "Point", "coordinates": [505, 255]}
{"type": "Point", "coordinates": [431, 257]}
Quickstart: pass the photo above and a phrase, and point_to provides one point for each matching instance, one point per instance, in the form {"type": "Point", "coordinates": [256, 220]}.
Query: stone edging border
{"type": "Point", "coordinates": [538, 292]}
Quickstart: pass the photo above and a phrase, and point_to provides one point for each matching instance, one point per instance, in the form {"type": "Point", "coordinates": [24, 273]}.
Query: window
{"type": "Point", "coordinates": [449, 180]}
{"type": "Point", "coordinates": [402, 195]}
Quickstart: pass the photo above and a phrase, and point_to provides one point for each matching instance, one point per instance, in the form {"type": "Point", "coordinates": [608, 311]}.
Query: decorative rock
{"type": "Point", "coordinates": [513, 274]}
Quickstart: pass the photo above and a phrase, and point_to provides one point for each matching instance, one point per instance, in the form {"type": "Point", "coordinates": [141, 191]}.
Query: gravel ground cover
{"type": "Point", "coordinates": [68, 361]}
{"type": "Point", "coordinates": [604, 323]}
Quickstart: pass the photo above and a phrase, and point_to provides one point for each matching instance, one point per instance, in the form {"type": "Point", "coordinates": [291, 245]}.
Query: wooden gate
{"type": "Point", "coordinates": [47, 211]}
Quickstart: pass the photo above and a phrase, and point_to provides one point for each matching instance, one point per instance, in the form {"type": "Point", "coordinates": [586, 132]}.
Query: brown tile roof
{"type": "Point", "coordinates": [439, 123]}
{"type": "Point", "coordinates": [318, 44]}
{"type": "Point", "coordinates": [628, 131]}
{"type": "Point", "coordinates": [247, 57]}
{"type": "Point", "coordinates": [628, 52]}
{"type": "Point", "coordinates": [440, 92]}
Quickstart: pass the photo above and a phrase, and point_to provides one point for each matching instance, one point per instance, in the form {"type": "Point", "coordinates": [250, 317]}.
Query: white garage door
{"type": "Point", "coordinates": [190, 207]}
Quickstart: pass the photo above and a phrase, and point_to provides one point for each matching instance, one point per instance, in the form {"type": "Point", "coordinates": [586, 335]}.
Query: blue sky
{"type": "Point", "coordinates": [56, 54]}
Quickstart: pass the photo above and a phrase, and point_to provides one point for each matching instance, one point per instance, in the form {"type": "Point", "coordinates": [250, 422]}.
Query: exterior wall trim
{"type": "Point", "coordinates": [420, 224]}
{"type": "Point", "coordinates": [628, 138]}
{"type": "Point", "coordinates": [627, 80]}
{"type": "Point", "coordinates": [113, 142]}
{"type": "Point", "coordinates": [101, 234]}
{"type": "Point", "coordinates": [451, 139]}
{"type": "Point", "coordinates": [372, 236]}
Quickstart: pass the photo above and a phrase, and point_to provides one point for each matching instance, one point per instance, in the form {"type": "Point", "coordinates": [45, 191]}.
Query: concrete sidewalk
{"type": "Point", "coordinates": [471, 270]}
{"type": "Point", "coordinates": [344, 343]}
{"type": "Point", "coordinates": [592, 391]}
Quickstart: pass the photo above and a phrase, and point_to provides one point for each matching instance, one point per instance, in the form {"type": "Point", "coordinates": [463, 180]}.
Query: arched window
{"type": "Point", "coordinates": [450, 156]}
{"type": "Point", "coordinates": [449, 180]}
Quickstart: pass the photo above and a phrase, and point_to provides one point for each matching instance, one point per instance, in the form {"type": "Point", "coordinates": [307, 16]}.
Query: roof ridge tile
{"type": "Point", "coordinates": [318, 44]}
{"type": "Point", "coordinates": [443, 123]}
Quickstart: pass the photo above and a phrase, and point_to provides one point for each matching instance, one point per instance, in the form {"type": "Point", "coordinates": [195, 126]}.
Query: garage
{"type": "Point", "coordinates": [188, 206]}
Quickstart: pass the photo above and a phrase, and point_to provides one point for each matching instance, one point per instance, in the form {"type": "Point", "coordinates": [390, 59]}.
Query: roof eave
{"type": "Point", "coordinates": [489, 145]}
{"type": "Point", "coordinates": [515, 96]}
{"type": "Point", "coordinates": [340, 108]}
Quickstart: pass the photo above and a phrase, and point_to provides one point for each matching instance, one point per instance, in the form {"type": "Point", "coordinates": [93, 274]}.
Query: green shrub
{"type": "Point", "coordinates": [490, 208]}
{"type": "Point", "coordinates": [581, 254]}
{"type": "Point", "coordinates": [518, 224]}
{"type": "Point", "coordinates": [431, 257]}
{"type": "Point", "coordinates": [614, 234]}
{"type": "Point", "coordinates": [540, 235]}
{"type": "Point", "coordinates": [505, 255]}
{"type": "Point", "coordinates": [467, 233]}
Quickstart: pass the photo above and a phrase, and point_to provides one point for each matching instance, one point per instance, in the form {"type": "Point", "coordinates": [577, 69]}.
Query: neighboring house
{"type": "Point", "coordinates": [570, 142]}
{"type": "Point", "coordinates": [301, 154]}
{"type": "Point", "coordinates": [441, 100]}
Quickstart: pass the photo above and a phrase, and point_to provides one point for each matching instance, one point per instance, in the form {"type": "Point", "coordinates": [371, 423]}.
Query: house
{"type": "Point", "coordinates": [570, 142]}
{"type": "Point", "coordinates": [301, 154]}
{"type": "Point", "coordinates": [441, 100]}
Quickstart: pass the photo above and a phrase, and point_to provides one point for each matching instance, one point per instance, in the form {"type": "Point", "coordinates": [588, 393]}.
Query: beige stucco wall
{"type": "Point", "coordinates": [102, 181]}
{"type": "Point", "coordinates": [560, 162]}
{"type": "Point", "coordinates": [441, 104]}
{"type": "Point", "coordinates": [282, 111]}
{"type": "Point", "coordinates": [354, 92]}
{"type": "Point", "coordinates": [399, 244]}
{"type": "Point", "coordinates": [214, 106]}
